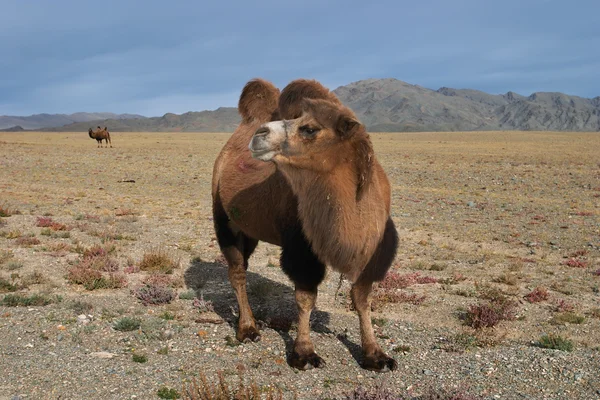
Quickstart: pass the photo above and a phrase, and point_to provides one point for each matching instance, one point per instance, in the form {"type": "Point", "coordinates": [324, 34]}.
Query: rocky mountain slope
{"type": "Point", "coordinates": [390, 105]}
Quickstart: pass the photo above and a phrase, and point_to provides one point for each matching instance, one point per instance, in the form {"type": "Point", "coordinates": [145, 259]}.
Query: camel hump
{"type": "Point", "coordinates": [292, 96]}
{"type": "Point", "coordinates": [258, 101]}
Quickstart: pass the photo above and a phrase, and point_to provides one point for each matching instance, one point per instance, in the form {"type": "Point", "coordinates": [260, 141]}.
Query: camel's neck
{"type": "Point", "coordinates": [343, 231]}
{"type": "Point", "coordinates": [91, 134]}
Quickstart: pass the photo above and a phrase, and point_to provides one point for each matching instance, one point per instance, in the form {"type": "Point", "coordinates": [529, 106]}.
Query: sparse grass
{"type": "Point", "coordinates": [555, 342]}
{"type": "Point", "coordinates": [158, 260]}
{"type": "Point", "coordinates": [394, 280]}
{"type": "Point", "coordinates": [167, 316]}
{"type": "Point", "coordinates": [6, 211]}
{"type": "Point", "coordinates": [6, 286]}
{"type": "Point", "coordinates": [14, 265]}
{"type": "Point", "coordinates": [92, 279]}
{"type": "Point", "coordinates": [13, 234]}
{"type": "Point", "coordinates": [5, 255]}
{"type": "Point", "coordinates": [507, 279]}
{"type": "Point", "coordinates": [139, 358]}
{"type": "Point", "coordinates": [537, 295]}
{"type": "Point", "coordinates": [203, 389]}
{"type": "Point", "coordinates": [567, 318]}
{"type": "Point", "coordinates": [21, 300]}
{"type": "Point", "coordinates": [187, 295]}
{"type": "Point", "coordinates": [81, 307]}
{"type": "Point", "coordinates": [127, 324]}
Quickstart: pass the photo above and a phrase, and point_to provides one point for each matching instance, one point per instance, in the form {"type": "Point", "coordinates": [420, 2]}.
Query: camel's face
{"type": "Point", "coordinates": [316, 140]}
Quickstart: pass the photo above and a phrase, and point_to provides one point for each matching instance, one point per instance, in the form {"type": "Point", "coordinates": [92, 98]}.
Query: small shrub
{"type": "Point", "coordinates": [394, 280]}
{"type": "Point", "coordinates": [203, 305]}
{"type": "Point", "coordinates": [377, 393]}
{"type": "Point", "coordinates": [92, 279]}
{"type": "Point", "coordinates": [6, 286]}
{"type": "Point", "coordinates": [537, 295]}
{"type": "Point", "coordinates": [153, 294]}
{"type": "Point", "coordinates": [168, 316]}
{"type": "Point", "coordinates": [13, 265]}
{"type": "Point", "coordinates": [488, 315]}
{"type": "Point", "coordinates": [103, 263]}
{"type": "Point", "coordinates": [157, 260]}
{"type": "Point", "coordinates": [127, 324]}
{"type": "Point", "coordinates": [596, 272]}
{"type": "Point", "coordinates": [567, 318]}
{"type": "Point", "coordinates": [562, 305]}
{"type": "Point", "coordinates": [34, 278]}
{"type": "Point", "coordinates": [81, 307]}
{"type": "Point", "coordinates": [169, 393]}
{"type": "Point", "coordinates": [27, 241]}
{"type": "Point", "coordinates": [139, 358]}
{"type": "Point", "coordinates": [187, 295]}
{"type": "Point", "coordinates": [16, 300]}
{"type": "Point", "coordinates": [202, 389]}
{"type": "Point", "coordinates": [396, 298]}
{"type": "Point", "coordinates": [575, 263]}
{"type": "Point", "coordinates": [555, 342]}
{"type": "Point", "coordinates": [47, 222]}
{"type": "Point", "coordinates": [121, 212]}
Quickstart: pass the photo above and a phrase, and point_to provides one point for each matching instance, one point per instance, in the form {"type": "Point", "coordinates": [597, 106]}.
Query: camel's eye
{"type": "Point", "coordinates": [308, 131]}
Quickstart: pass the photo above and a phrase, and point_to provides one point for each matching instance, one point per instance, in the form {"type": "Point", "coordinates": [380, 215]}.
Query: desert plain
{"type": "Point", "coordinates": [487, 221]}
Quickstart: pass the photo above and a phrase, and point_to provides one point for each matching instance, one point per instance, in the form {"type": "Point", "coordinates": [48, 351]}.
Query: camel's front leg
{"type": "Point", "coordinates": [303, 356]}
{"type": "Point", "coordinates": [374, 357]}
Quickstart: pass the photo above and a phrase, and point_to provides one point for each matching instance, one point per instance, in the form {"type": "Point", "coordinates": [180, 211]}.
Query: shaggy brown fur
{"type": "Point", "coordinates": [322, 196]}
{"type": "Point", "coordinates": [100, 135]}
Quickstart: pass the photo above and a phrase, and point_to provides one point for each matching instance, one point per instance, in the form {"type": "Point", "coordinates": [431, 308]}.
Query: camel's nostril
{"type": "Point", "coordinates": [263, 130]}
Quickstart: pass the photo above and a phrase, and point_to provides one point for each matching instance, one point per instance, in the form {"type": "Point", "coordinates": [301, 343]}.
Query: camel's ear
{"type": "Point", "coordinates": [346, 126]}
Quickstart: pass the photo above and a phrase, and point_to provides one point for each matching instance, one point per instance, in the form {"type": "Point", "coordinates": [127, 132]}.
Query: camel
{"type": "Point", "coordinates": [100, 134]}
{"type": "Point", "coordinates": [300, 172]}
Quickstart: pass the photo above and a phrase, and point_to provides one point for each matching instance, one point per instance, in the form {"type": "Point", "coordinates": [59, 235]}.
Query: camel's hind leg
{"type": "Point", "coordinates": [237, 248]}
{"type": "Point", "coordinates": [306, 271]}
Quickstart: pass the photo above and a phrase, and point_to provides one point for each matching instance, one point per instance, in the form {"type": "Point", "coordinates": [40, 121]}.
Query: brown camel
{"type": "Point", "coordinates": [100, 134]}
{"type": "Point", "coordinates": [300, 172]}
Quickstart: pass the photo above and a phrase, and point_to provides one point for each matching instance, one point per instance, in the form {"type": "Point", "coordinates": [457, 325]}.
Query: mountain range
{"type": "Point", "coordinates": [38, 121]}
{"type": "Point", "coordinates": [383, 105]}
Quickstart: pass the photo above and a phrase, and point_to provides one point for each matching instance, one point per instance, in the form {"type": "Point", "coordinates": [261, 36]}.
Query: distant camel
{"type": "Point", "coordinates": [100, 135]}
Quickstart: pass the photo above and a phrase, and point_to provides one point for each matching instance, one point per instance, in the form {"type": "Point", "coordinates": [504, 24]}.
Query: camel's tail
{"type": "Point", "coordinates": [258, 101]}
{"type": "Point", "coordinates": [292, 96]}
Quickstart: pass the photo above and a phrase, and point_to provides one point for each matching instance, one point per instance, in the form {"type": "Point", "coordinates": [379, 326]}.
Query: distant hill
{"type": "Point", "coordinates": [390, 105]}
{"type": "Point", "coordinates": [16, 128]}
{"type": "Point", "coordinates": [223, 119]}
{"type": "Point", "coordinates": [38, 121]}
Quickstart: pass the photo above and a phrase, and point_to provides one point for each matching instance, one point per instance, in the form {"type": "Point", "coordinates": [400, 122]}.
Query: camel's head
{"type": "Point", "coordinates": [317, 140]}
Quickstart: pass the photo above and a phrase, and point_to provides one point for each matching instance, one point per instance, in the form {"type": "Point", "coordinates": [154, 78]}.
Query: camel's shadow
{"type": "Point", "coordinates": [273, 303]}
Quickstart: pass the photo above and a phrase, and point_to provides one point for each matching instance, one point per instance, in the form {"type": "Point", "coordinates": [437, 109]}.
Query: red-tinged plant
{"type": "Point", "coordinates": [537, 295]}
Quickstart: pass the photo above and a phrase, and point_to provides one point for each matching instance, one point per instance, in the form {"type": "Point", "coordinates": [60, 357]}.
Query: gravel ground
{"type": "Point", "coordinates": [475, 212]}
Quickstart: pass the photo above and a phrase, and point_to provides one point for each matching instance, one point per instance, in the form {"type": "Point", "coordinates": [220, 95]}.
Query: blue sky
{"type": "Point", "coordinates": [153, 57]}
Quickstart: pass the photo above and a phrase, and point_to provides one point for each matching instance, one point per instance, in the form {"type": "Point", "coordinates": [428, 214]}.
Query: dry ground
{"type": "Point", "coordinates": [486, 214]}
